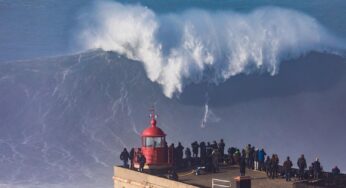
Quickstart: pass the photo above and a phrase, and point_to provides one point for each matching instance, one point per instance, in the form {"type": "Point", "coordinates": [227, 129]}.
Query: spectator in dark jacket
{"type": "Point", "coordinates": [246, 151]}
{"type": "Point", "coordinates": [274, 164]}
{"type": "Point", "coordinates": [251, 158]}
{"type": "Point", "coordinates": [302, 166]}
{"type": "Point", "coordinates": [236, 156]}
{"type": "Point", "coordinates": [209, 149]}
{"type": "Point", "coordinates": [287, 168]}
{"type": "Point", "coordinates": [141, 160]}
{"type": "Point", "coordinates": [179, 153]}
{"type": "Point", "coordinates": [194, 147]}
{"type": "Point", "coordinates": [317, 169]}
{"type": "Point", "coordinates": [188, 157]}
{"type": "Point", "coordinates": [242, 165]}
{"type": "Point", "coordinates": [124, 156]}
{"type": "Point", "coordinates": [173, 155]}
{"type": "Point", "coordinates": [215, 160]}
{"type": "Point", "coordinates": [132, 155]}
{"type": "Point", "coordinates": [335, 171]}
{"type": "Point", "coordinates": [231, 152]}
{"type": "Point", "coordinates": [203, 152]}
{"type": "Point", "coordinates": [268, 166]}
{"type": "Point", "coordinates": [221, 147]}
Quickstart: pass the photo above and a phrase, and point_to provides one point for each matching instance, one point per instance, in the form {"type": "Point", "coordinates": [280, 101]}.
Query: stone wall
{"type": "Point", "coordinates": [125, 178]}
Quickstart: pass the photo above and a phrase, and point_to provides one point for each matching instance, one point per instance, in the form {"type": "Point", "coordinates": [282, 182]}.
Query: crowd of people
{"type": "Point", "coordinates": [208, 157]}
{"type": "Point", "coordinates": [126, 156]}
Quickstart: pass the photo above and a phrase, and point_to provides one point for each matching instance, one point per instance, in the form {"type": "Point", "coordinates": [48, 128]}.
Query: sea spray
{"type": "Point", "coordinates": [198, 45]}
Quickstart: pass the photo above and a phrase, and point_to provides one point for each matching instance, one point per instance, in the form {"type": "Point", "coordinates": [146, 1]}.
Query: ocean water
{"type": "Point", "coordinates": [77, 80]}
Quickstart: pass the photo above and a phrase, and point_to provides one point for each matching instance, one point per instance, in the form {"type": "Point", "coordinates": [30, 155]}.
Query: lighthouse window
{"type": "Point", "coordinates": [155, 142]}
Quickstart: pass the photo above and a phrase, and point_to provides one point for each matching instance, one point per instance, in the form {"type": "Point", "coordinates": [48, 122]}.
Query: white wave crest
{"type": "Point", "coordinates": [197, 45]}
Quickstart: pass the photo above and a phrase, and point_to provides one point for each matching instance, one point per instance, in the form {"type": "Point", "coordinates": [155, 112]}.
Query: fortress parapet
{"type": "Point", "coordinates": [132, 179]}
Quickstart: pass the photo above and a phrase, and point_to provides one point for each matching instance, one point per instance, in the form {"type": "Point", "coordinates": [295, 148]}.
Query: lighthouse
{"type": "Point", "coordinates": [154, 147]}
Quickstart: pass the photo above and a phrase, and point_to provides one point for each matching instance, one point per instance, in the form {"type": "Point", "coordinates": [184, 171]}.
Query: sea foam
{"type": "Point", "coordinates": [199, 45]}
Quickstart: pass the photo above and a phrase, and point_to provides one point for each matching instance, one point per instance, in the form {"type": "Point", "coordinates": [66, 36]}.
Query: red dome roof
{"type": "Point", "coordinates": [153, 131]}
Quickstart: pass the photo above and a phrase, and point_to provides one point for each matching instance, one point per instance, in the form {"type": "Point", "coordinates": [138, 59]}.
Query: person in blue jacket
{"type": "Point", "coordinates": [261, 158]}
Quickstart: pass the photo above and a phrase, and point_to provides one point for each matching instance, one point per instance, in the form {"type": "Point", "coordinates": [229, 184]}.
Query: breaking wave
{"type": "Point", "coordinates": [197, 45]}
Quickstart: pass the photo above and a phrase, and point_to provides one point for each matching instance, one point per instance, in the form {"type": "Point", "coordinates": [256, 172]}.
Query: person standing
{"type": "Point", "coordinates": [221, 150]}
{"type": "Point", "coordinates": [188, 157]}
{"type": "Point", "coordinates": [203, 152]}
{"type": "Point", "coordinates": [268, 166]}
{"type": "Point", "coordinates": [215, 160]}
{"type": "Point", "coordinates": [316, 167]}
{"type": "Point", "coordinates": [132, 155]}
{"type": "Point", "coordinates": [124, 156]}
{"type": "Point", "coordinates": [209, 149]}
{"type": "Point", "coordinates": [194, 147]}
{"type": "Point", "coordinates": [180, 154]}
{"type": "Point", "coordinates": [214, 145]}
{"type": "Point", "coordinates": [242, 165]}
{"type": "Point", "coordinates": [236, 156]}
{"type": "Point", "coordinates": [261, 157]}
{"type": "Point", "coordinates": [247, 154]}
{"type": "Point", "coordinates": [231, 152]}
{"type": "Point", "coordinates": [287, 168]}
{"type": "Point", "coordinates": [301, 163]}
{"type": "Point", "coordinates": [251, 158]}
{"type": "Point", "coordinates": [255, 156]}
{"type": "Point", "coordinates": [173, 155]}
{"type": "Point", "coordinates": [335, 171]}
{"type": "Point", "coordinates": [141, 160]}
{"type": "Point", "coordinates": [274, 166]}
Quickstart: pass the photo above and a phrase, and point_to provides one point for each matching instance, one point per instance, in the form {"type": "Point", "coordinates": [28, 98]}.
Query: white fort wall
{"type": "Point", "coordinates": [125, 178]}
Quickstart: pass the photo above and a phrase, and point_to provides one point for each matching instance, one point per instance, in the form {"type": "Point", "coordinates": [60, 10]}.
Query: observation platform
{"type": "Point", "coordinates": [259, 179]}
{"type": "Point", "coordinates": [187, 179]}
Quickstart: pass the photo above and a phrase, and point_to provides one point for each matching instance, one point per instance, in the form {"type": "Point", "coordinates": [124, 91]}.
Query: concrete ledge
{"type": "Point", "coordinates": [239, 178]}
{"type": "Point", "coordinates": [126, 178]}
{"type": "Point", "coordinates": [163, 166]}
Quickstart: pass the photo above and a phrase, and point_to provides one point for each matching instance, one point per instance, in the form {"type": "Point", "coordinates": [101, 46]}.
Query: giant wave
{"type": "Point", "coordinates": [197, 45]}
{"type": "Point", "coordinates": [64, 120]}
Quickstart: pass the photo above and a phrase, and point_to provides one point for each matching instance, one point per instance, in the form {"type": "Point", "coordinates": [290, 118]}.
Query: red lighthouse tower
{"type": "Point", "coordinates": [154, 147]}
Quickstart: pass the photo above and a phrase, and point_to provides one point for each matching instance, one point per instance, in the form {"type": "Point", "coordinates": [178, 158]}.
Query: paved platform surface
{"type": "Point", "coordinates": [259, 179]}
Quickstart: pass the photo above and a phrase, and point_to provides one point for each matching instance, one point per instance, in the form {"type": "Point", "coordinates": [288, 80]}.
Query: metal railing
{"type": "Point", "coordinates": [220, 183]}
